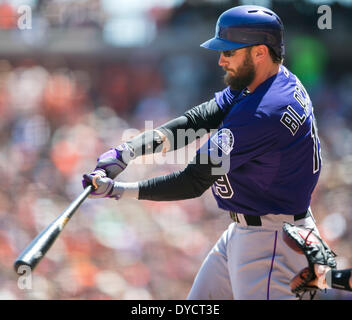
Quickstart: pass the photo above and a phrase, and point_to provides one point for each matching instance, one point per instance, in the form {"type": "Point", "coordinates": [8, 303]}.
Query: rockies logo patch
{"type": "Point", "coordinates": [224, 140]}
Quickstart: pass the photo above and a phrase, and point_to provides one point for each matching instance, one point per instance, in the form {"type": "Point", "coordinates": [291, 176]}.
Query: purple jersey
{"type": "Point", "coordinates": [271, 138]}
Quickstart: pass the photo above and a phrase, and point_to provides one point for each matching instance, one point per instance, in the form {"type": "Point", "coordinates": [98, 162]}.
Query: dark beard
{"type": "Point", "coordinates": [244, 75]}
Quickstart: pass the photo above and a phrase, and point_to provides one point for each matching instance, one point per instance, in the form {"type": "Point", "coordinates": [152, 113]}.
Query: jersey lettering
{"type": "Point", "coordinates": [292, 120]}
{"type": "Point", "coordinates": [289, 121]}
{"type": "Point", "coordinates": [302, 96]}
{"type": "Point", "coordinates": [301, 119]}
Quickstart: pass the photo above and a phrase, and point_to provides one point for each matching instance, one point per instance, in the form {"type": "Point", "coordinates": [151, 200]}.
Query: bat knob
{"type": "Point", "coordinates": [20, 266]}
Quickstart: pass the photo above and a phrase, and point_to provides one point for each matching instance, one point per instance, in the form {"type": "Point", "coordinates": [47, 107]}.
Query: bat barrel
{"type": "Point", "coordinates": [36, 250]}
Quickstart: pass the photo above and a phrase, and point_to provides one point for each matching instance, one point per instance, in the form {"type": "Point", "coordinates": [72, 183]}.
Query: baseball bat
{"type": "Point", "coordinates": [37, 249]}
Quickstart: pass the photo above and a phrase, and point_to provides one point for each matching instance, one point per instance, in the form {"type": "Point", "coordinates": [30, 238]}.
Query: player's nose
{"type": "Point", "coordinates": [222, 60]}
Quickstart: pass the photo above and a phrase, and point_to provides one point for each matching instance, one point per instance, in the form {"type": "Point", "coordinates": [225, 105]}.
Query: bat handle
{"type": "Point", "coordinates": [70, 210]}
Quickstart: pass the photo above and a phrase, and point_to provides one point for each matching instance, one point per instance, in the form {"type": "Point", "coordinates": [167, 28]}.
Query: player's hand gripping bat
{"type": "Point", "coordinates": [37, 249]}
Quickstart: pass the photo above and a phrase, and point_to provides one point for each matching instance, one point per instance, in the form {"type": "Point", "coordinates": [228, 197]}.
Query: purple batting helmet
{"type": "Point", "coordinates": [245, 26]}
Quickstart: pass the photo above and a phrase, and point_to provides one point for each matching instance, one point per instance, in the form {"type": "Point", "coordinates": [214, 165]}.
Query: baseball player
{"type": "Point", "coordinates": [262, 162]}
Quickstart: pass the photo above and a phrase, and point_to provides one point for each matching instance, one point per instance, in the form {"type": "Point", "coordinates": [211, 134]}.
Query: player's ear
{"type": "Point", "coordinates": [260, 52]}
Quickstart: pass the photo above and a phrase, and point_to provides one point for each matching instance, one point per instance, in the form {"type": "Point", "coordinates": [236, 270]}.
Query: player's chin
{"type": "Point", "coordinates": [228, 77]}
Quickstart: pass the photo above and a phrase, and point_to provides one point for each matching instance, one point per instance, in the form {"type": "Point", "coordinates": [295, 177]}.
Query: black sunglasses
{"type": "Point", "coordinates": [228, 53]}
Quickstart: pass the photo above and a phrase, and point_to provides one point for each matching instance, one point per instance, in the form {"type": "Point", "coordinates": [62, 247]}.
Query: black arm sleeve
{"type": "Point", "coordinates": [200, 119]}
{"type": "Point", "coordinates": [189, 183]}
{"type": "Point", "coordinates": [206, 116]}
{"type": "Point", "coordinates": [198, 176]}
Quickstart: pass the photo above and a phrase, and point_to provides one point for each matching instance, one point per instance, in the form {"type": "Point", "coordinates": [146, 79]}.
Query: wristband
{"type": "Point", "coordinates": [339, 279]}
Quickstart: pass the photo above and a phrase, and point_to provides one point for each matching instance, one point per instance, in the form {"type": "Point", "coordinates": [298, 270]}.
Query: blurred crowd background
{"type": "Point", "coordinates": [84, 77]}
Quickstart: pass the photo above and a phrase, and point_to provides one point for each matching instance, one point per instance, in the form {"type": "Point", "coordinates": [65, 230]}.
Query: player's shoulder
{"type": "Point", "coordinates": [266, 104]}
{"type": "Point", "coordinates": [226, 98]}
{"type": "Point", "coordinates": [280, 93]}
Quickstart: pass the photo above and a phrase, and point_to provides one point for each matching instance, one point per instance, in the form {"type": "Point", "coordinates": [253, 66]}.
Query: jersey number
{"type": "Point", "coordinates": [223, 187]}
{"type": "Point", "coordinates": [314, 135]}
